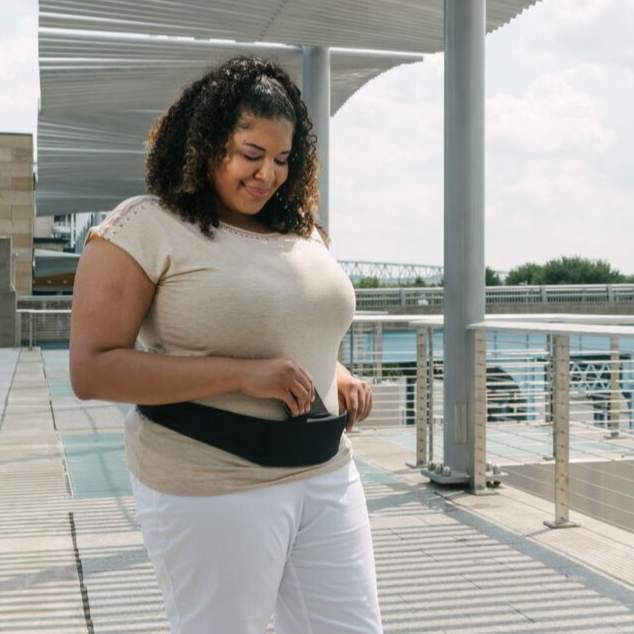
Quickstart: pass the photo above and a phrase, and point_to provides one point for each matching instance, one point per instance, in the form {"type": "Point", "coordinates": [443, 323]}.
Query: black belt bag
{"type": "Point", "coordinates": [307, 439]}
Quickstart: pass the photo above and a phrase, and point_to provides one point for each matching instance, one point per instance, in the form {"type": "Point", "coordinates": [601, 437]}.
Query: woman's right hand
{"type": "Point", "coordinates": [281, 378]}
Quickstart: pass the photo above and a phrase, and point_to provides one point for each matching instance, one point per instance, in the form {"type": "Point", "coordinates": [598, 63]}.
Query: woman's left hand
{"type": "Point", "coordinates": [355, 396]}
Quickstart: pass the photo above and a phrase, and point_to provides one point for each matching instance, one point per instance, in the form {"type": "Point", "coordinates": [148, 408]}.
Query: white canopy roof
{"type": "Point", "coordinates": [102, 89]}
{"type": "Point", "coordinates": [394, 25]}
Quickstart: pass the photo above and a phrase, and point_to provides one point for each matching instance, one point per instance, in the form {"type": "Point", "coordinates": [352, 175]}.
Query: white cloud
{"type": "Point", "coordinates": [19, 75]}
{"type": "Point", "coordinates": [560, 146]}
{"type": "Point", "coordinates": [552, 116]}
{"type": "Point", "coordinates": [386, 167]}
{"type": "Point", "coordinates": [598, 31]}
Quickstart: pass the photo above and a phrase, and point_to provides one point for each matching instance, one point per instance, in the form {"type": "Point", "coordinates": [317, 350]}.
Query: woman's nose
{"type": "Point", "coordinates": [266, 171]}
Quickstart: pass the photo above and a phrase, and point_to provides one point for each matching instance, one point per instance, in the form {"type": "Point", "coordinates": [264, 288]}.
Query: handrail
{"type": "Point", "coordinates": [553, 329]}
{"type": "Point", "coordinates": [403, 296]}
{"type": "Point", "coordinates": [558, 392]}
{"type": "Point", "coordinates": [38, 311]}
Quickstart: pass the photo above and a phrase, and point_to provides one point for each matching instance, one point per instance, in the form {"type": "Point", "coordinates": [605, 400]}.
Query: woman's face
{"type": "Point", "coordinates": [254, 168]}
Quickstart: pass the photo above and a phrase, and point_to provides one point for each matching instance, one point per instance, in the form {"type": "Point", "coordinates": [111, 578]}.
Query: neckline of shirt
{"type": "Point", "coordinates": [250, 234]}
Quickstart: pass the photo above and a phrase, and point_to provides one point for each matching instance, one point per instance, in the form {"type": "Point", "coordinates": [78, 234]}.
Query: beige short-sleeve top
{"type": "Point", "coordinates": [238, 294]}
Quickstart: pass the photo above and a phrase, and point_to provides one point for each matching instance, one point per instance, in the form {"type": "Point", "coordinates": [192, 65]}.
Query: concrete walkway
{"type": "Point", "coordinates": [72, 559]}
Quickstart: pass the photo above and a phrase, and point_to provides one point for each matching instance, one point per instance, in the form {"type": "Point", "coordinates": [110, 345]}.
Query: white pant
{"type": "Point", "coordinates": [300, 551]}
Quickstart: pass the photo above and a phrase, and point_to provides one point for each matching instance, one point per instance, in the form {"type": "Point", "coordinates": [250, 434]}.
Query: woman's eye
{"type": "Point", "coordinates": [285, 162]}
{"type": "Point", "coordinates": [251, 157]}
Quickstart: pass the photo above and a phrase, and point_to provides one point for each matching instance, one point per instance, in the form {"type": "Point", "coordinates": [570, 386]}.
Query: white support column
{"type": "Point", "coordinates": [464, 292]}
{"type": "Point", "coordinates": [316, 95]}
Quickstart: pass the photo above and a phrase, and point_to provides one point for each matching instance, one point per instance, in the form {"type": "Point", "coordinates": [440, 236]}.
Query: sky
{"type": "Point", "coordinates": [559, 140]}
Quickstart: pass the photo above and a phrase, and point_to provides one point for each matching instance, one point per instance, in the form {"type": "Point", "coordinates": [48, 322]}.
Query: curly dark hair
{"type": "Point", "coordinates": [192, 134]}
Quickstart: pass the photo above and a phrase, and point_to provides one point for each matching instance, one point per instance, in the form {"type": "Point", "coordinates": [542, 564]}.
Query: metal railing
{"type": "Point", "coordinates": [42, 326]}
{"type": "Point", "coordinates": [553, 402]}
{"type": "Point", "coordinates": [379, 348]}
{"type": "Point", "coordinates": [384, 298]}
{"type": "Point", "coordinates": [568, 390]}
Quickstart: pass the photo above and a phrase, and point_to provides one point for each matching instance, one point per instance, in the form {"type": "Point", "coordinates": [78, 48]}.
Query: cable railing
{"type": "Point", "coordinates": [403, 297]}
{"type": "Point", "coordinates": [555, 416]}
{"type": "Point", "coordinates": [43, 327]}
{"type": "Point", "coordinates": [567, 394]}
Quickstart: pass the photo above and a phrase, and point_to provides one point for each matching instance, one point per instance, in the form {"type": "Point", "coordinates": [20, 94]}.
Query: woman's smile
{"type": "Point", "coordinates": [257, 192]}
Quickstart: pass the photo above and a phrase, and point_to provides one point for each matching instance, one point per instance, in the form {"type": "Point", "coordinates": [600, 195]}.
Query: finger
{"type": "Point", "coordinates": [364, 402]}
{"type": "Point", "coordinates": [362, 406]}
{"type": "Point", "coordinates": [307, 381]}
{"type": "Point", "coordinates": [367, 402]}
{"type": "Point", "coordinates": [291, 403]}
{"type": "Point", "coordinates": [353, 407]}
{"type": "Point", "coordinates": [300, 394]}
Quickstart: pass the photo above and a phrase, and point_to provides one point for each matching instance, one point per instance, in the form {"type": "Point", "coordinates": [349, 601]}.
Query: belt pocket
{"type": "Point", "coordinates": [296, 443]}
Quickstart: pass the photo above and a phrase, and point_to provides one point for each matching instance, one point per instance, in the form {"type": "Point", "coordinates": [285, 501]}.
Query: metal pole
{"type": "Point", "coordinates": [378, 344]}
{"type": "Point", "coordinates": [464, 287]}
{"type": "Point", "coordinates": [430, 394]}
{"type": "Point", "coordinates": [549, 404]}
{"type": "Point", "coordinates": [562, 433]}
{"type": "Point", "coordinates": [360, 350]}
{"type": "Point", "coordinates": [422, 391]}
{"type": "Point", "coordinates": [478, 417]}
{"type": "Point", "coordinates": [316, 95]}
{"type": "Point", "coordinates": [30, 330]}
{"type": "Point", "coordinates": [351, 368]}
{"type": "Point", "coordinates": [615, 390]}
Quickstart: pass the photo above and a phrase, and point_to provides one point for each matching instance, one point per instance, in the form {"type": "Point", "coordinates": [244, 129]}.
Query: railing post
{"type": "Point", "coordinates": [378, 358]}
{"type": "Point", "coordinates": [615, 390]}
{"type": "Point", "coordinates": [430, 394]}
{"type": "Point", "coordinates": [549, 404]}
{"type": "Point", "coordinates": [422, 391]}
{"type": "Point", "coordinates": [351, 368]}
{"type": "Point", "coordinates": [562, 433]}
{"type": "Point", "coordinates": [478, 415]}
{"type": "Point", "coordinates": [31, 327]}
{"type": "Point", "coordinates": [18, 329]}
{"type": "Point", "coordinates": [360, 350]}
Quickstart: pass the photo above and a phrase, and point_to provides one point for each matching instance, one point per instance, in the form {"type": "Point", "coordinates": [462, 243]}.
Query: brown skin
{"type": "Point", "coordinates": [112, 296]}
{"type": "Point", "coordinates": [254, 167]}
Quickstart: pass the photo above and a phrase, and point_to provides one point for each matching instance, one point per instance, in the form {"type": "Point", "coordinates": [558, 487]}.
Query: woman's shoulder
{"type": "Point", "coordinates": [138, 212]}
{"type": "Point", "coordinates": [139, 225]}
{"type": "Point", "coordinates": [135, 204]}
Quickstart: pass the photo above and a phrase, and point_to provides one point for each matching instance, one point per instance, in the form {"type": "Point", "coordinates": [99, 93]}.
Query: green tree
{"type": "Point", "coordinates": [491, 277]}
{"type": "Point", "coordinates": [524, 274]}
{"type": "Point", "coordinates": [368, 282]}
{"type": "Point", "coordinates": [565, 270]}
{"type": "Point", "coordinates": [578, 270]}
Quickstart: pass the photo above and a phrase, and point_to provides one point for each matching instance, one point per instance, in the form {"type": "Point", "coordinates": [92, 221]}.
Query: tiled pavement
{"type": "Point", "coordinates": [72, 560]}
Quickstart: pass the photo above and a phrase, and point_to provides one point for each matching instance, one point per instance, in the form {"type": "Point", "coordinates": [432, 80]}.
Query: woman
{"type": "Point", "coordinates": [221, 274]}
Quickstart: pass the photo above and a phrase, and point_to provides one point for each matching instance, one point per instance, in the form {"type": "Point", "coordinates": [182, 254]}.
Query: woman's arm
{"type": "Point", "coordinates": [111, 297]}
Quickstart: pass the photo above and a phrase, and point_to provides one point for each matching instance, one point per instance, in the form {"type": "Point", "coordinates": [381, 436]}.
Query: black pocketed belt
{"type": "Point", "coordinates": [304, 440]}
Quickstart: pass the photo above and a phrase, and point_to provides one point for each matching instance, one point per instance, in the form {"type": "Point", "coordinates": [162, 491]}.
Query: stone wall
{"type": "Point", "coordinates": [17, 210]}
{"type": "Point", "coordinates": [7, 295]}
